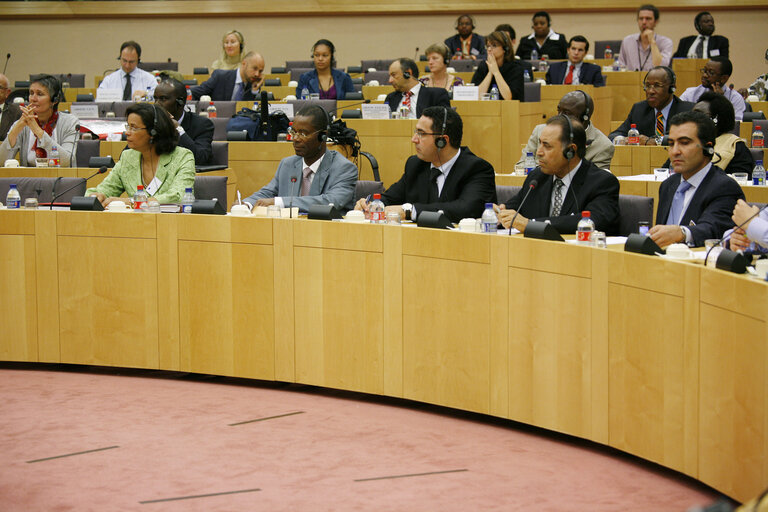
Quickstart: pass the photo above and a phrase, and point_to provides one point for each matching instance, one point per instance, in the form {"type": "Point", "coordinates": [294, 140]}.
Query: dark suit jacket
{"type": "Point", "coordinates": [511, 71]}
{"type": "Point", "coordinates": [428, 97]}
{"type": "Point", "coordinates": [591, 189]}
{"type": "Point", "coordinates": [644, 117]}
{"type": "Point", "coordinates": [477, 43]}
{"type": "Point", "coordinates": [220, 86]}
{"type": "Point", "coordinates": [710, 208]}
{"type": "Point", "coordinates": [715, 43]}
{"type": "Point", "coordinates": [588, 73]}
{"type": "Point", "coordinates": [469, 185]}
{"type": "Point", "coordinates": [198, 135]}
{"type": "Point", "coordinates": [552, 49]}
{"type": "Point", "coordinates": [11, 113]}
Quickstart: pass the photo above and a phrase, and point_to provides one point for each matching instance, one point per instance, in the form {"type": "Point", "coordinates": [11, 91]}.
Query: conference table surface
{"type": "Point", "coordinates": [659, 358]}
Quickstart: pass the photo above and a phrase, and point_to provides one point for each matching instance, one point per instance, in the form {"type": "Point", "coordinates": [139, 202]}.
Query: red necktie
{"type": "Point", "coordinates": [407, 99]}
{"type": "Point", "coordinates": [569, 76]}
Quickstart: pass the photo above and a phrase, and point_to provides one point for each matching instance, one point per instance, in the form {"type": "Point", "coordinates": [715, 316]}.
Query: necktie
{"type": "Point", "coordinates": [558, 197]}
{"type": "Point", "coordinates": [676, 210]}
{"type": "Point", "coordinates": [238, 94]}
{"type": "Point", "coordinates": [569, 76]}
{"type": "Point", "coordinates": [659, 124]}
{"type": "Point", "coordinates": [434, 195]}
{"type": "Point", "coordinates": [700, 48]}
{"type": "Point", "coordinates": [127, 90]}
{"type": "Point", "coordinates": [306, 181]}
{"type": "Point", "coordinates": [407, 100]}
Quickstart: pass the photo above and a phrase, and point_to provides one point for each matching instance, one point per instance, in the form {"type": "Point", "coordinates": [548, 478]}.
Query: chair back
{"type": "Point", "coordinates": [506, 192]}
{"type": "Point", "coordinates": [85, 150]}
{"type": "Point", "coordinates": [297, 72]}
{"type": "Point", "coordinates": [354, 96]}
{"type": "Point", "coordinates": [352, 114]}
{"type": "Point", "coordinates": [200, 71]}
{"type": "Point", "coordinates": [27, 188]}
{"type": "Point", "coordinates": [223, 108]}
{"type": "Point", "coordinates": [220, 128]}
{"type": "Point", "coordinates": [750, 117]}
{"type": "Point", "coordinates": [295, 64]}
{"type": "Point", "coordinates": [531, 92]}
{"type": "Point", "coordinates": [328, 105]}
{"type": "Point", "coordinates": [758, 154]}
{"type": "Point", "coordinates": [463, 66]}
{"type": "Point", "coordinates": [377, 64]}
{"type": "Point", "coordinates": [220, 153]}
{"type": "Point", "coordinates": [600, 46]}
{"type": "Point", "coordinates": [151, 66]}
{"type": "Point", "coordinates": [381, 76]}
{"type": "Point", "coordinates": [633, 209]}
{"type": "Point", "coordinates": [211, 187]}
{"type": "Point", "coordinates": [366, 188]}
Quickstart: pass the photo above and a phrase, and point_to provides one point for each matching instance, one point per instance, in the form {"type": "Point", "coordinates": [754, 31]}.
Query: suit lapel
{"type": "Point", "coordinates": [545, 189]}
{"type": "Point", "coordinates": [695, 205]}
{"type": "Point", "coordinates": [395, 101]}
{"type": "Point", "coordinates": [665, 203]}
{"type": "Point", "coordinates": [577, 183]}
{"type": "Point", "coordinates": [321, 176]}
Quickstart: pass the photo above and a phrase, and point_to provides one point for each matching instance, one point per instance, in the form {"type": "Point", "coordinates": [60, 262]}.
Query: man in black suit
{"type": "Point", "coordinates": [659, 85]}
{"type": "Point", "coordinates": [466, 44]}
{"type": "Point", "coordinates": [442, 175]}
{"type": "Point", "coordinates": [696, 202]}
{"type": "Point", "coordinates": [704, 45]}
{"type": "Point", "coordinates": [404, 77]}
{"type": "Point", "coordinates": [234, 84]}
{"type": "Point", "coordinates": [575, 71]}
{"type": "Point", "coordinates": [566, 184]}
{"type": "Point", "coordinates": [9, 112]}
{"type": "Point", "coordinates": [195, 132]}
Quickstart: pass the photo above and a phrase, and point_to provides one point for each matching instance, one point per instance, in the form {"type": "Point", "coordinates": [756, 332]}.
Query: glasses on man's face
{"type": "Point", "coordinates": [300, 135]}
{"type": "Point", "coordinates": [133, 129]}
{"type": "Point", "coordinates": [708, 72]}
{"type": "Point", "coordinates": [654, 85]}
{"type": "Point", "coordinates": [419, 134]}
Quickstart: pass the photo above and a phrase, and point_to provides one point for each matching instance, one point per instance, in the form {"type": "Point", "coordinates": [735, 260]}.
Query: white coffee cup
{"type": "Point", "coordinates": [117, 206]}
{"type": "Point", "coordinates": [373, 83]}
{"type": "Point", "coordinates": [240, 210]}
{"type": "Point", "coordinates": [761, 266]}
{"type": "Point", "coordinates": [661, 173]}
{"type": "Point", "coordinates": [678, 251]}
{"type": "Point", "coordinates": [354, 216]}
{"type": "Point", "coordinates": [468, 225]}
{"type": "Point", "coordinates": [293, 83]}
{"type": "Point", "coordinates": [11, 162]}
{"type": "Point", "coordinates": [205, 98]}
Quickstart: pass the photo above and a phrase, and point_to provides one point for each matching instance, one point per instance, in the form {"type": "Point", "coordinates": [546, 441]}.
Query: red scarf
{"type": "Point", "coordinates": [47, 128]}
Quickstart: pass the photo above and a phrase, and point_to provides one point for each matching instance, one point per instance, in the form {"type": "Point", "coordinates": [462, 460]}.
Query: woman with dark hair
{"type": "Point", "coordinates": [232, 51]}
{"type": "Point", "coordinates": [543, 39]}
{"type": "Point", "coordinates": [500, 68]}
{"type": "Point", "coordinates": [330, 83]}
{"type": "Point", "coordinates": [153, 159]}
{"type": "Point", "coordinates": [41, 126]}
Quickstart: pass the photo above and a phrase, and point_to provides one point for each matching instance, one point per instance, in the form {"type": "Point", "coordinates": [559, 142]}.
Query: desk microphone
{"type": "Point", "coordinates": [290, 204]}
{"type": "Point", "coordinates": [531, 186]}
{"type": "Point", "coordinates": [347, 106]}
{"type": "Point", "coordinates": [7, 58]}
{"type": "Point", "coordinates": [723, 239]}
{"type": "Point", "coordinates": [54, 196]}
{"type": "Point", "coordinates": [74, 143]}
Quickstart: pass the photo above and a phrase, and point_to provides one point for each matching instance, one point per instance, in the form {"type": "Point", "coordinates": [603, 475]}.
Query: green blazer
{"type": "Point", "coordinates": [176, 171]}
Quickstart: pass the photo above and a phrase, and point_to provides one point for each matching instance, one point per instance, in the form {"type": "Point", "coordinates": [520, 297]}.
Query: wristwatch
{"type": "Point", "coordinates": [407, 208]}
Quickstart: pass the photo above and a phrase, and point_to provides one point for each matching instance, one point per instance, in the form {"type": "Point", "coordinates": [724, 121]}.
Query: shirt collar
{"type": "Point", "coordinates": [182, 117]}
{"type": "Point", "coordinates": [697, 178]}
{"type": "Point", "coordinates": [666, 110]}
{"type": "Point", "coordinates": [568, 178]}
{"type": "Point", "coordinates": [315, 166]}
{"type": "Point", "coordinates": [446, 167]}
{"type": "Point", "coordinates": [416, 88]}
{"type": "Point", "coordinates": [533, 34]}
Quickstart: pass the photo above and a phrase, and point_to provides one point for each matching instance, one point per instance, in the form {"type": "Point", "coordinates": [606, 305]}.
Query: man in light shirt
{"type": "Point", "coordinates": [132, 80]}
{"type": "Point", "coordinates": [409, 93]}
{"type": "Point", "coordinates": [646, 49]}
{"type": "Point", "coordinates": [714, 76]}
{"type": "Point", "coordinates": [754, 229]}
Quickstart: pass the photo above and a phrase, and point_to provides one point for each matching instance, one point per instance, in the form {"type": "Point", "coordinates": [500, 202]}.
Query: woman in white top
{"type": "Point", "coordinates": [232, 51]}
{"type": "Point", "coordinates": [438, 58]}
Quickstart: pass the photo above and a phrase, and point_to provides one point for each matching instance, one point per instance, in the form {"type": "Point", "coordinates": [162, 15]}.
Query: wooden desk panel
{"type": "Point", "coordinates": [18, 295]}
{"type": "Point", "coordinates": [688, 73]}
{"type": "Point", "coordinates": [627, 89]}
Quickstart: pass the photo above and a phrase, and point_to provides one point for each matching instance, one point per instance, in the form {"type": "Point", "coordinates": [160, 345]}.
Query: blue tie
{"type": "Point", "coordinates": [238, 94]}
{"type": "Point", "coordinates": [676, 210]}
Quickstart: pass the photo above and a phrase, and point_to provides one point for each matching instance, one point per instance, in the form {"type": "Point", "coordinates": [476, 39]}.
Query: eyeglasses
{"type": "Point", "coordinates": [708, 72]}
{"type": "Point", "coordinates": [656, 86]}
{"type": "Point", "coordinates": [420, 134]}
{"type": "Point", "coordinates": [132, 129]}
{"type": "Point", "coordinates": [301, 135]}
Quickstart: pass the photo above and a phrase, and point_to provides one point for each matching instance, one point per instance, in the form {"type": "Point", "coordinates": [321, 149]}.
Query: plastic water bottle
{"type": "Point", "coordinates": [758, 138]}
{"type": "Point", "coordinates": [489, 219]}
{"type": "Point", "coordinates": [305, 94]}
{"type": "Point", "coordinates": [534, 55]}
{"type": "Point", "coordinates": [530, 162]}
{"type": "Point", "coordinates": [758, 173]}
{"type": "Point", "coordinates": [608, 52]}
{"type": "Point", "coordinates": [377, 210]}
{"type": "Point", "coordinates": [495, 92]}
{"type": "Point", "coordinates": [140, 199]}
{"type": "Point", "coordinates": [13, 199]}
{"type": "Point", "coordinates": [543, 64]}
{"type": "Point", "coordinates": [211, 110]}
{"type": "Point", "coordinates": [189, 93]}
{"type": "Point", "coordinates": [53, 157]}
{"type": "Point", "coordinates": [584, 228]}
{"type": "Point", "coordinates": [150, 96]}
{"type": "Point", "coordinates": [527, 76]}
{"type": "Point", "coordinates": [187, 201]}
{"type": "Point", "coordinates": [616, 63]}
{"type": "Point", "coordinates": [633, 136]}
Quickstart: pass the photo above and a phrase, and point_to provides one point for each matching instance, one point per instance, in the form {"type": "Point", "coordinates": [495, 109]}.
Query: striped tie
{"type": "Point", "coordinates": [659, 124]}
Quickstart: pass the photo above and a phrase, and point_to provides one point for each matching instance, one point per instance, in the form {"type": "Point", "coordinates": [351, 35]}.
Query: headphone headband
{"type": "Point", "coordinates": [568, 152]}
{"type": "Point", "coordinates": [441, 142]}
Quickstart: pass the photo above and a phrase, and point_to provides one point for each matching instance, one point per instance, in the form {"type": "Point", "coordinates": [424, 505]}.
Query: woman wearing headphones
{"type": "Point", "coordinates": [330, 83]}
{"type": "Point", "coordinates": [500, 69]}
{"type": "Point", "coordinates": [437, 59]}
{"type": "Point", "coordinates": [153, 159]}
{"type": "Point", "coordinates": [41, 126]}
{"type": "Point", "coordinates": [232, 51]}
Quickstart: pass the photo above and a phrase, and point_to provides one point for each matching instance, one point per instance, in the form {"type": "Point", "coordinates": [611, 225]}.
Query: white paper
{"type": "Point", "coordinates": [103, 126]}
{"type": "Point", "coordinates": [466, 93]}
{"type": "Point", "coordinates": [85, 111]}
{"type": "Point", "coordinates": [109, 95]}
{"type": "Point", "coordinates": [153, 186]}
{"type": "Point", "coordinates": [638, 177]}
{"type": "Point", "coordinates": [286, 108]}
{"type": "Point", "coordinates": [375, 111]}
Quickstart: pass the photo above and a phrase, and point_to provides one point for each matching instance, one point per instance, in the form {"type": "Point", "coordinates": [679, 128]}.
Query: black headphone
{"type": "Point", "coordinates": [441, 141]}
{"type": "Point", "coordinates": [153, 131]}
{"type": "Point", "coordinates": [330, 46]}
{"type": "Point", "coordinates": [568, 151]}
{"type": "Point", "coordinates": [446, 52]}
{"type": "Point", "coordinates": [670, 74]}
{"type": "Point", "coordinates": [181, 102]}
{"type": "Point", "coordinates": [406, 75]}
{"type": "Point", "coordinates": [708, 150]}
{"type": "Point", "coordinates": [322, 136]}
{"type": "Point", "coordinates": [471, 19]}
{"type": "Point", "coordinates": [585, 116]}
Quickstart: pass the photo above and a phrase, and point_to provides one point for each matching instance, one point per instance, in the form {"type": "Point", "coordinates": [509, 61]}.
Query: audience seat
{"type": "Point", "coordinates": [365, 188]}
{"type": "Point", "coordinates": [200, 71]}
{"type": "Point", "coordinates": [354, 69]}
{"type": "Point", "coordinates": [211, 187]}
{"type": "Point", "coordinates": [278, 70]}
{"type": "Point", "coordinates": [272, 82]}
{"type": "Point", "coordinates": [633, 210]}
{"type": "Point", "coordinates": [220, 128]}
{"type": "Point", "coordinates": [86, 98]}
{"type": "Point", "coordinates": [85, 150]}
{"type": "Point", "coordinates": [352, 114]}
{"type": "Point", "coordinates": [354, 96]}
{"type": "Point", "coordinates": [463, 66]}
{"type": "Point", "coordinates": [75, 80]}
{"type": "Point", "coordinates": [297, 72]}
{"type": "Point", "coordinates": [506, 192]}
{"type": "Point", "coordinates": [328, 105]}
{"type": "Point", "coordinates": [377, 64]}
{"type": "Point", "coordinates": [223, 108]}
{"type": "Point", "coordinates": [27, 188]}
{"type": "Point", "coordinates": [757, 154]}
{"type": "Point", "coordinates": [290, 65]}
{"type": "Point", "coordinates": [220, 153]}
{"type": "Point", "coordinates": [752, 116]}
{"type": "Point", "coordinates": [615, 45]}
{"type": "Point", "coordinates": [531, 92]}
{"type": "Point", "coordinates": [151, 66]}
{"type": "Point", "coordinates": [237, 136]}
{"type": "Point", "coordinates": [381, 76]}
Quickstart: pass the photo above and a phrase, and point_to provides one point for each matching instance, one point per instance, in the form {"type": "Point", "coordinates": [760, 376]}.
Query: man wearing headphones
{"type": "Point", "coordinates": [132, 80]}
{"type": "Point", "coordinates": [652, 115]}
{"type": "Point", "coordinates": [705, 44]}
{"type": "Point", "coordinates": [409, 93]}
{"type": "Point", "coordinates": [566, 184]}
{"type": "Point", "coordinates": [466, 44]}
{"type": "Point", "coordinates": [579, 106]}
{"type": "Point", "coordinates": [195, 132]}
{"type": "Point", "coordinates": [316, 175]}
{"type": "Point", "coordinates": [575, 71]}
{"type": "Point", "coordinates": [241, 84]}
{"type": "Point", "coordinates": [714, 77]}
{"type": "Point", "coordinates": [443, 175]}
{"type": "Point", "coordinates": [696, 202]}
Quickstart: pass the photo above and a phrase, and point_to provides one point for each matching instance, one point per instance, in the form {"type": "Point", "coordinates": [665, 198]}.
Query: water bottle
{"type": "Point", "coordinates": [584, 228]}
{"type": "Point", "coordinates": [376, 210]}
{"type": "Point", "coordinates": [758, 139]}
{"type": "Point", "coordinates": [489, 219]}
{"type": "Point", "coordinates": [495, 93]}
{"type": "Point", "coordinates": [758, 173]}
{"type": "Point", "coordinates": [150, 95]}
{"type": "Point", "coordinates": [608, 53]}
{"type": "Point", "coordinates": [211, 110]}
{"type": "Point", "coordinates": [53, 157]}
{"type": "Point", "coordinates": [527, 76]}
{"type": "Point", "coordinates": [13, 199]}
{"type": "Point", "coordinates": [543, 64]}
{"type": "Point", "coordinates": [187, 201]}
{"type": "Point", "coordinates": [616, 64]}
{"type": "Point", "coordinates": [530, 162]}
{"type": "Point", "coordinates": [189, 93]}
{"type": "Point", "coordinates": [534, 55]}
{"type": "Point", "coordinates": [305, 94]}
{"type": "Point", "coordinates": [633, 136]}
{"type": "Point", "coordinates": [140, 199]}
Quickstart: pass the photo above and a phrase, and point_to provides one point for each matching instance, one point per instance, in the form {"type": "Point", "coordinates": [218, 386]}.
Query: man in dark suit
{"type": "Point", "coordinates": [466, 44]}
{"type": "Point", "coordinates": [195, 132]}
{"type": "Point", "coordinates": [575, 71]}
{"type": "Point", "coordinates": [652, 115]}
{"type": "Point", "coordinates": [566, 184]}
{"type": "Point", "coordinates": [704, 45]}
{"type": "Point", "coordinates": [234, 84]}
{"type": "Point", "coordinates": [442, 175]}
{"type": "Point", "coordinates": [696, 202]}
{"type": "Point", "coordinates": [9, 112]}
{"type": "Point", "coordinates": [404, 77]}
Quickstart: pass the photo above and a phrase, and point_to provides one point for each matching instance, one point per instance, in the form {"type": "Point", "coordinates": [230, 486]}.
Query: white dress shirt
{"type": "Point", "coordinates": [567, 179]}
{"type": "Point", "coordinates": [140, 81]}
{"type": "Point", "coordinates": [415, 90]}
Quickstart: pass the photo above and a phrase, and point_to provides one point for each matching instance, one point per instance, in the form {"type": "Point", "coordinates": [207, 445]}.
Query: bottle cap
{"type": "Point", "coordinates": [633, 125]}
{"type": "Point", "coordinates": [488, 205]}
{"type": "Point", "coordinates": [585, 213]}
{"type": "Point", "coordinates": [140, 187]}
{"type": "Point", "coordinates": [377, 196]}
{"type": "Point", "coordinates": [188, 189]}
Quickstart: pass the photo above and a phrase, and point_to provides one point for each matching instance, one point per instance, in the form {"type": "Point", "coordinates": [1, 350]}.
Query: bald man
{"type": "Point", "coordinates": [9, 112]}
{"type": "Point", "coordinates": [240, 84]}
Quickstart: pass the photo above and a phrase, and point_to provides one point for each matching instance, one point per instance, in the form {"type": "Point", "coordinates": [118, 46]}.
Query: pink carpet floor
{"type": "Point", "coordinates": [81, 439]}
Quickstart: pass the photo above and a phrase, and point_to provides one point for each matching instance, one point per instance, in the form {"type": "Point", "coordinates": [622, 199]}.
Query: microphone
{"type": "Point", "coordinates": [54, 196]}
{"type": "Point", "coordinates": [264, 126]}
{"type": "Point", "coordinates": [347, 106]}
{"type": "Point", "coordinates": [531, 186]}
{"type": "Point", "coordinates": [723, 239]}
{"type": "Point", "coordinates": [290, 204]}
{"type": "Point", "coordinates": [416, 54]}
{"type": "Point", "coordinates": [74, 143]}
{"type": "Point", "coordinates": [7, 58]}
{"type": "Point", "coordinates": [53, 190]}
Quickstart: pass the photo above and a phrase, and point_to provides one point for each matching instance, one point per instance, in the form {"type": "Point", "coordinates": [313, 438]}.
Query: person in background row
{"type": "Point", "coordinates": [500, 69]}
{"type": "Point", "coordinates": [438, 59]}
{"type": "Point", "coordinates": [241, 84]}
{"type": "Point", "coordinates": [575, 71]}
{"type": "Point", "coordinates": [195, 132]}
{"type": "Point", "coordinates": [543, 39]}
{"type": "Point", "coordinates": [714, 76]}
{"type": "Point", "coordinates": [409, 92]}
{"type": "Point", "coordinates": [506, 27]}
{"type": "Point", "coordinates": [759, 87]}
{"type": "Point", "coordinates": [646, 49]}
{"type": "Point", "coordinates": [9, 112]}
{"type": "Point", "coordinates": [41, 126]}
{"type": "Point", "coordinates": [232, 51]}
{"type": "Point", "coordinates": [153, 159]}
{"type": "Point", "coordinates": [132, 80]}
{"type": "Point", "coordinates": [704, 45]}
{"type": "Point", "coordinates": [466, 44]}
{"type": "Point", "coordinates": [327, 81]}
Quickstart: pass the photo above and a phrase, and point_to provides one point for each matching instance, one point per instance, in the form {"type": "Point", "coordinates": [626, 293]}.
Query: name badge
{"type": "Point", "coordinates": [154, 186]}
{"type": "Point", "coordinates": [714, 52]}
{"type": "Point", "coordinates": [466, 93]}
{"type": "Point", "coordinates": [555, 37]}
{"type": "Point", "coordinates": [375, 111]}
{"type": "Point", "coordinates": [108, 95]}
{"type": "Point", "coordinates": [475, 52]}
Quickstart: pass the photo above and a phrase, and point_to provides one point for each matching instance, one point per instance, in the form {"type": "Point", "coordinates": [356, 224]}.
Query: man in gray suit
{"type": "Point", "coordinates": [9, 112]}
{"type": "Point", "coordinates": [315, 175]}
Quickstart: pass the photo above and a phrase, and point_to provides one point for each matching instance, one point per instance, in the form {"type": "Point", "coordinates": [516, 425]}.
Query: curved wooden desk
{"type": "Point", "coordinates": [662, 359]}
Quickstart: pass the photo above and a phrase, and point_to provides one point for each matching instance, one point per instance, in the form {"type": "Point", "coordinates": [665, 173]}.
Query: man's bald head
{"type": "Point", "coordinates": [575, 105]}
{"type": "Point", "coordinates": [252, 67]}
{"type": "Point", "coordinates": [5, 89]}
